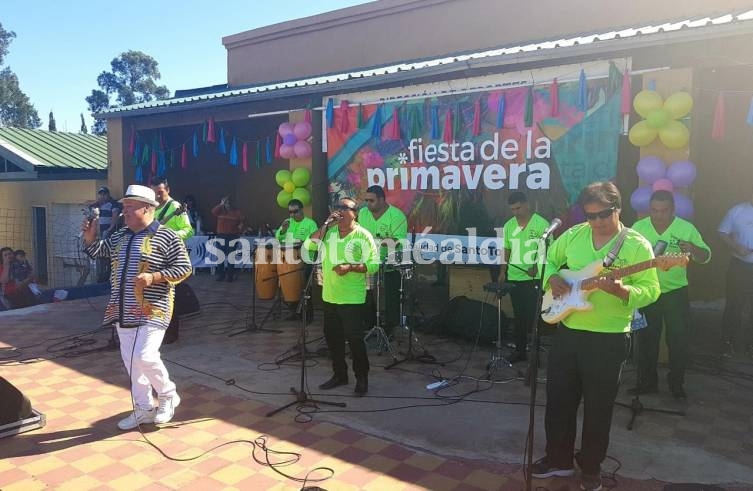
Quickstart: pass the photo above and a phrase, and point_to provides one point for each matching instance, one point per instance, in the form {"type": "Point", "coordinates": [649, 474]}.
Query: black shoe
{"type": "Point", "coordinates": [676, 389]}
{"type": "Point", "coordinates": [362, 386]}
{"type": "Point", "coordinates": [335, 381]}
{"type": "Point", "coordinates": [644, 389]}
{"type": "Point", "coordinates": [542, 469]}
{"type": "Point", "coordinates": [518, 356]}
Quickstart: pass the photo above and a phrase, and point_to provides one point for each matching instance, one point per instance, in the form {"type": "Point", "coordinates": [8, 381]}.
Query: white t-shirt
{"type": "Point", "coordinates": [738, 222]}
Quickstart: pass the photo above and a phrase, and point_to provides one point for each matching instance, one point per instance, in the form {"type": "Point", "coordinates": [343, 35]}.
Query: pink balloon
{"type": "Point", "coordinates": [683, 206]}
{"type": "Point", "coordinates": [663, 185]}
{"type": "Point", "coordinates": [651, 169]}
{"type": "Point", "coordinates": [640, 199]}
{"type": "Point", "coordinates": [682, 173]}
{"type": "Point", "coordinates": [285, 129]}
{"type": "Point", "coordinates": [302, 149]}
{"type": "Point", "coordinates": [302, 130]}
{"type": "Point", "coordinates": [287, 151]}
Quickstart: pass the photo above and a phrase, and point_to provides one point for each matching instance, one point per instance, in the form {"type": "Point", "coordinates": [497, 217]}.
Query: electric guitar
{"type": "Point", "coordinates": [583, 282]}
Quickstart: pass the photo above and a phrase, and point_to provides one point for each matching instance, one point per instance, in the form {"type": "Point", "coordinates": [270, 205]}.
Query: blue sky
{"type": "Point", "coordinates": [61, 46]}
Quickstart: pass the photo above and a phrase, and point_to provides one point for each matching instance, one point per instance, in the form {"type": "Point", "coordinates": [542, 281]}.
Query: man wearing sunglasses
{"type": "Point", "coordinates": [388, 225]}
{"type": "Point", "coordinates": [293, 231]}
{"type": "Point", "coordinates": [672, 309]}
{"type": "Point", "coordinates": [590, 345]}
{"type": "Point", "coordinates": [347, 252]}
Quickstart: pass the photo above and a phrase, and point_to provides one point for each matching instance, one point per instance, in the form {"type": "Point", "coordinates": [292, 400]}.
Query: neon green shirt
{"type": "Point", "coordinates": [521, 244]}
{"type": "Point", "coordinates": [178, 223]}
{"type": "Point", "coordinates": [679, 229]}
{"type": "Point", "coordinates": [609, 314]}
{"type": "Point", "coordinates": [391, 225]}
{"type": "Point", "coordinates": [297, 230]}
{"type": "Point", "coordinates": [358, 247]}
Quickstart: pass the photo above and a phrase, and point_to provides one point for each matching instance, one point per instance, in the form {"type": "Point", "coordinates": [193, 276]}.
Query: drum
{"type": "Point", "coordinates": [318, 275]}
{"type": "Point", "coordinates": [265, 273]}
{"type": "Point", "coordinates": [371, 281]}
{"type": "Point", "coordinates": [290, 272]}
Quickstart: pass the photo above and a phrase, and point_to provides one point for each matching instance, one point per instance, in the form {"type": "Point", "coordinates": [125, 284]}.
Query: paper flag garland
{"type": "Point", "coordinates": [395, 126]}
{"type": "Point", "coordinates": [210, 131]}
{"type": "Point", "coordinates": [344, 116]}
{"type": "Point", "coordinates": [244, 157]}
{"type": "Point", "coordinates": [376, 126]}
{"type": "Point", "coordinates": [183, 157]}
{"type": "Point", "coordinates": [329, 112]}
{"type": "Point", "coordinates": [359, 117]}
{"type": "Point", "coordinates": [477, 117]}
{"type": "Point", "coordinates": [447, 133]}
{"type": "Point", "coordinates": [501, 112]}
{"type": "Point", "coordinates": [435, 123]}
{"type": "Point", "coordinates": [268, 145]}
{"type": "Point", "coordinates": [582, 104]}
{"type": "Point", "coordinates": [529, 107]}
{"type": "Point", "coordinates": [195, 147]}
{"type": "Point", "coordinates": [234, 153]}
{"type": "Point", "coordinates": [554, 98]}
{"type": "Point", "coordinates": [221, 144]}
{"type": "Point", "coordinates": [278, 144]}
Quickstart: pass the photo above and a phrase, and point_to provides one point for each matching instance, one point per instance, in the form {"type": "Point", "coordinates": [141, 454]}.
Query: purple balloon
{"type": "Point", "coordinates": [683, 206]}
{"type": "Point", "coordinates": [640, 199]}
{"type": "Point", "coordinates": [289, 139]}
{"type": "Point", "coordinates": [682, 173]}
{"type": "Point", "coordinates": [651, 169]}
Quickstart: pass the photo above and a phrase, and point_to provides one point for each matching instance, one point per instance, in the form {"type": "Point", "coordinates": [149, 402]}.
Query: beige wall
{"type": "Point", "coordinates": [391, 31]}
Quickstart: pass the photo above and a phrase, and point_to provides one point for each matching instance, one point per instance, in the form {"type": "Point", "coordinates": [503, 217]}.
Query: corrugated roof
{"type": "Point", "coordinates": [56, 150]}
{"type": "Point", "coordinates": [658, 33]}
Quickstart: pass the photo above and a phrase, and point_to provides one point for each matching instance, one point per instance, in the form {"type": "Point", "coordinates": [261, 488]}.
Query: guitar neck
{"type": "Point", "coordinates": [616, 274]}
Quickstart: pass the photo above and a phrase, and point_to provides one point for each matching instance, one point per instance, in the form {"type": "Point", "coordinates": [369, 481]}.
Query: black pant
{"type": "Point", "coordinates": [672, 310]}
{"type": "Point", "coordinates": [523, 298]}
{"type": "Point", "coordinates": [227, 249]}
{"type": "Point", "coordinates": [582, 364]}
{"type": "Point", "coordinates": [344, 322]}
{"type": "Point", "coordinates": [739, 294]}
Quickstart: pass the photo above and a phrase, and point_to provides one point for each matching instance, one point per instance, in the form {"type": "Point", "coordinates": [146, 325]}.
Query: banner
{"type": "Point", "coordinates": [451, 162]}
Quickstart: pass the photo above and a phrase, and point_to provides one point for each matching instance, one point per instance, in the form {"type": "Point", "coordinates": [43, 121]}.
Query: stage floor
{"type": "Point", "coordinates": [469, 436]}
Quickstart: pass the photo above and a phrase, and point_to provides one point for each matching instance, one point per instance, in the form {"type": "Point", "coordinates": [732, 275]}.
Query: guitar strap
{"type": "Point", "coordinates": [164, 211]}
{"type": "Point", "coordinates": [612, 254]}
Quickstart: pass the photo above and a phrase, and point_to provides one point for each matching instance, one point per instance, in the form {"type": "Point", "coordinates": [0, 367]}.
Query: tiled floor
{"type": "Point", "coordinates": [83, 397]}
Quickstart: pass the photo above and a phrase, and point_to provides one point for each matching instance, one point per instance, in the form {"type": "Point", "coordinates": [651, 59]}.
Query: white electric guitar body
{"type": "Point", "coordinates": [582, 284]}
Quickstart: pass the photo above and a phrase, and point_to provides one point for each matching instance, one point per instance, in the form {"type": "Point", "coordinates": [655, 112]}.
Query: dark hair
{"type": "Point", "coordinates": [157, 180]}
{"type": "Point", "coordinates": [2, 251]}
{"type": "Point", "coordinates": [20, 251]}
{"type": "Point", "coordinates": [348, 198]}
{"type": "Point", "coordinates": [605, 193]}
{"type": "Point", "coordinates": [517, 197]}
{"type": "Point", "coordinates": [663, 195]}
{"type": "Point", "coordinates": [296, 202]}
{"type": "Point", "coordinates": [378, 190]}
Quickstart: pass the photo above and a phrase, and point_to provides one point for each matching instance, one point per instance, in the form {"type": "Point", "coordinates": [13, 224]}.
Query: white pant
{"type": "Point", "coordinates": [147, 370]}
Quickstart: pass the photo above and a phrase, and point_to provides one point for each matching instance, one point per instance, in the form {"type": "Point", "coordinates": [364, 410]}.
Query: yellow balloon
{"type": "Point", "coordinates": [289, 187]}
{"type": "Point", "coordinates": [642, 133]}
{"type": "Point", "coordinates": [675, 135]}
{"type": "Point", "coordinates": [678, 105]}
{"type": "Point", "coordinates": [646, 101]}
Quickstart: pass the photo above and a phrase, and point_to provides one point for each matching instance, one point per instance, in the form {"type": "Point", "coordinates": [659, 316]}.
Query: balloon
{"type": "Point", "coordinates": [285, 129]}
{"type": "Point", "coordinates": [301, 176]}
{"type": "Point", "coordinates": [282, 176]}
{"type": "Point", "coordinates": [658, 118]}
{"type": "Point", "coordinates": [287, 152]}
{"type": "Point", "coordinates": [289, 139]}
{"type": "Point", "coordinates": [678, 105]}
{"type": "Point", "coordinates": [683, 206]}
{"type": "Point", "coordinates": [303, 195]}
{"type": "Point", "coordinates": [682, 173]}
{"type": "Point", "coordinates": [663, 185]}
{"type": "Point", "coordinates": [289, 186]}
{"type": "Point", "coordinates": [640, 199]}
{"type": "Point", "coordinates": [302, 130]}
{"type": "Point", "coordinates": [642, 133]}
{"type": "Point", "coordinates": [646, 101]}
{"type": "Point", "coordinates": [651, 169]}
{"type": "Point", "coordinates": [675, 135]}
{"type": "Point", "coordinates": [283, 198]}
{"type": "Point", "coordinates": [302, 149]}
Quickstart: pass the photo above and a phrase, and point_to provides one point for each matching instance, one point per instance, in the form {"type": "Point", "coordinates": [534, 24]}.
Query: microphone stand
{"type": "Point", "coordinates": [252, 326]}
{"type": "Point", "coordinates": [301, 396]}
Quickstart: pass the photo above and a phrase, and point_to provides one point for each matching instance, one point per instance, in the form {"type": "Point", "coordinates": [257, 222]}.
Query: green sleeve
{"type": "Point", "coordinates": [644, 286]}
{"type": "Point", "coordinates": [556, 257]}
{"type": "Point", "coordinates": [278, 234]}
{"type": "Point", "coordinates": [697, 240]}
{"type": "Point", "coordinates": [400, 229]}
{"type": "Point", "coordinates": [183, 226]}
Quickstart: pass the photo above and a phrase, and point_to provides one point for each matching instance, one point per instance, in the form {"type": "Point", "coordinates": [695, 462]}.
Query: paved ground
{"type": "Point", "coordinates": [401, 436]}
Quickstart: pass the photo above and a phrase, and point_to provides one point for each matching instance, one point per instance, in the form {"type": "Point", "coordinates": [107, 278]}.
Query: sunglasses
{"type": "Point", "coordinates": [343, 207]}
{"type": "Point", "coordinates": [294, 212]}
{"type": "Point", "coordinates": [600, 214]}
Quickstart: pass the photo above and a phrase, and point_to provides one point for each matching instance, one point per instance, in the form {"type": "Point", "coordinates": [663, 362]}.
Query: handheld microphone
{"type": "Point", "coordinates": [91, 215]}
{"type": "Point", "coordinates": [553, 225]}
{"type": "Point", "coordinates": [660, 247]}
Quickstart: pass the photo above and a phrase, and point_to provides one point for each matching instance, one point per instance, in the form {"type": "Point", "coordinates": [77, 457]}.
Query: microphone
{"type": "Point", "coordinates": [660, 247]}
{"type": "Point", "coordinates": [553, 225]}
{"type": "Point", "coordinates": [332, 218]}
{"type": "Point", "coordinates": [91, 215]}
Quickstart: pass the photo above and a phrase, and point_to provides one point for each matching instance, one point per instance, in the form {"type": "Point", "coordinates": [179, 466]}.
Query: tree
{"type": "Point", "coordinates": [15, 107]}
{"type": "Point", "coordinates": [51, 123]}
{"type": "Point", "coordinates": [132, 80]}
{"type": "Point", "coordinates": [83, 129]}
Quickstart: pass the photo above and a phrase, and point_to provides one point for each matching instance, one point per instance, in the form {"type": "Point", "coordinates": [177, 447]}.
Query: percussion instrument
{"type": "Point", "coordinates": [290, 272]}
{"type": "Point", "coordinates": [318, 274]}
{"type": "Point", "coordinates": [265, 273]}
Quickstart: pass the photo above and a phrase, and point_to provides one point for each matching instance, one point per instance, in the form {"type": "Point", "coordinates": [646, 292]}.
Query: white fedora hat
{"type": "Point", "coordinates": [140, 193]}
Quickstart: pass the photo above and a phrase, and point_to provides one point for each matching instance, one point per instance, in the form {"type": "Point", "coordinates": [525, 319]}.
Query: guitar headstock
{"type": "Point", "coordinates": [668, 261]}
{"type": "Point", "coordinates": [182, 208]}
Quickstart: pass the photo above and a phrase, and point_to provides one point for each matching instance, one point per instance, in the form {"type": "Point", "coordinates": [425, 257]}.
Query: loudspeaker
{"type": "Point", "coordinates": [15, 406]}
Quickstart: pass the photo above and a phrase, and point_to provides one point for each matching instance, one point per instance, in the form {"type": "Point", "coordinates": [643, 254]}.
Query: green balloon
{"type": "Point", "coordinates": [283, 198]}
{"type": "Point", "coordinates": [282, 176]}
{"type": "Point", "coordinates": [301, 176]}
{"type": "Point", "coordinates": [658, 118]}
{"type": "Point", "coordinates": [303, 195]}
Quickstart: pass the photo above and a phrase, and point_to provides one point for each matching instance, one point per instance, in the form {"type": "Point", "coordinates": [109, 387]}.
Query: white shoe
{"type": "Point", "coordinates": [166, 409]}
{"type": "Point", "coordinates": [137, 417]}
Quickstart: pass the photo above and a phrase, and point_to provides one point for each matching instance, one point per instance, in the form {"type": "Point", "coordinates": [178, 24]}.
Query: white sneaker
{"type": "Point", "coordinates": [137, 417]}
{"type": "Point", "coordinates": [166, 409]}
